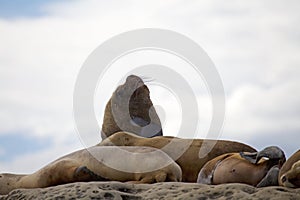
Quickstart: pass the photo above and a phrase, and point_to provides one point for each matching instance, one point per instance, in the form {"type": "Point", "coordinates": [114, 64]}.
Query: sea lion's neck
{"type": "Point", "coordinates": [26, 181]}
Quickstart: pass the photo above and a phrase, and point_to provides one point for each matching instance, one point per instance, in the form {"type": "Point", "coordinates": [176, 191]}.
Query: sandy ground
{"type": "Point", "coordinates": [117, 190]}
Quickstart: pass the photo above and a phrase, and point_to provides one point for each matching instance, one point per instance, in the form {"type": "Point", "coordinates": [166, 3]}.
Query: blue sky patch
{"type": "Point", "coordinates": [12, 145]}
{"type": "Point", "coordinates": [21, 8]}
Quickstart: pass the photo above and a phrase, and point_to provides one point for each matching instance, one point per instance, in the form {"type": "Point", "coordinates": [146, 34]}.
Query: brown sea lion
{"type": "Point", "coordinates": [257, 169]}
{"type": "Point", "coordinates": [289, 175]}
{"type": "Point", "coordinates": [184, 151]}
{"type": "Point", "coordinates": [133, 164]}
{"type": "Point", "coordinates": [130, 109]}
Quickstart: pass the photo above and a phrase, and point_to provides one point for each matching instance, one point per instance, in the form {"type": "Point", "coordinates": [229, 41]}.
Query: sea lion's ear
{"type": "Point", "coordinates": [251, 157]}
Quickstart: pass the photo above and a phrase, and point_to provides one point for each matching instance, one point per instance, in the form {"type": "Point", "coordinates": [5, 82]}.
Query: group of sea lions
{"type": "Point", "coordinates": [134, 150]}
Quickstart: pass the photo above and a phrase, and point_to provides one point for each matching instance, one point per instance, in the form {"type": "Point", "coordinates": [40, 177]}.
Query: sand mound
{"type": "Point", "coordinates": [117, 190]}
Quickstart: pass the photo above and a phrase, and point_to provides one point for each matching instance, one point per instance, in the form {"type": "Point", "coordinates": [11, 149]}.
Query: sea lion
{"type": "Point", "coordinates": [99, 163]}
{"type": "Point", "coordinates": [184, 151]}
{"type": "Point", "coordinates": [289, 175]}
{"type": "Point", "coordinates": [130, 109]}
{"type": "Point", "coordinates": [258, 169]}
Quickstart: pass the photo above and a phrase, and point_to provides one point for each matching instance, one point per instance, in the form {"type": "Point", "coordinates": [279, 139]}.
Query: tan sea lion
{"type": "Point", "coordinates": [184, 151]}
{"type": "Point", "coordinates": [257, 169]}
{"type": "Point", "coordinates": [289, 175]}
{"type": "Point", "coordinates": [99, 164]}
{"type": "Point", "coordinates": [131, 107]}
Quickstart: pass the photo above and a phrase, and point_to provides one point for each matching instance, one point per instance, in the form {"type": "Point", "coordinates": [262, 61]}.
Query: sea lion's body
{"type": "Point", "coordinates": [135, 164]}
{"type": "Point", "coordinates": [289, 175]}
{"type": "Point", "coordinates": [189, 161]}
{"type": "Point", "coordinates": [130, 109]}
{"type": "Point", "coordinates": [238, 168]}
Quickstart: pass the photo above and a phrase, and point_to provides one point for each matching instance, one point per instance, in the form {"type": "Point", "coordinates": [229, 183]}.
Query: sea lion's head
{"type": "Point", "coordinates": [8, 182]}
{"type": "Point", "coordinates": [130, 109]}
{"type": "Point", "coordinates": [133, 90]}
{"type": "Point", "coordinates": [274, 154]}
{"type": "Point", "coordinates": [292, 177]}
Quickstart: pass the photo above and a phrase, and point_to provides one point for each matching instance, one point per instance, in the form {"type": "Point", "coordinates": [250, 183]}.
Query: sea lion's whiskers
{"type": "Point", "coordinates": [148, 79]}
{"type": "Point", "coordinates": [142, 77]}
{"type": "Point", "coordinates": [145, 78]}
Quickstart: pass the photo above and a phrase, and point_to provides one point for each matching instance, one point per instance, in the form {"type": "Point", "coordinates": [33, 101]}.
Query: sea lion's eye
{"type": "Point", "coordinates": [283, 179]}
{"type": "Point", "coordinates": [118, 93]}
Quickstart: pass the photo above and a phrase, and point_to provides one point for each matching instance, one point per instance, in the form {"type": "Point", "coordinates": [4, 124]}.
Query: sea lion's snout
{"type": "Point", "coordinates": [287, 182]}
{"type": "Point", "coordinates": [133, 86]}
{"type": "Point", "coordinates": [134, 81]}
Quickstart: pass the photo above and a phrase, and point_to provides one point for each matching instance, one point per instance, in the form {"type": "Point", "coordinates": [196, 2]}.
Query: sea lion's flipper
{"type": "Point", "coordinates": [161, 177]}
{"type": "Point", "coordinates": [204, 178]}
{"type": "Point", "coordinates": [271, 179]}
{"type": "Point", "coordinates": [146, 179]}
{"type": "Point", "coordinates": [251, 157]}
{"type": "Point", "coordinates": [82, 173]}
{"type": "Point", "coordinates": [206, 173]}
{"type": "Point", "coordinates": [174, 178]}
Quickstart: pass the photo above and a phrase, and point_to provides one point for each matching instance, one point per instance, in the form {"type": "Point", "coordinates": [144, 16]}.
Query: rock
{"type": "Point", "coordinates": [168, 190]}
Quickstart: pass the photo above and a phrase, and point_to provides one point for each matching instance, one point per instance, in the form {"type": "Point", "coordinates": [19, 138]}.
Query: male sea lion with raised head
{"type": "Point", "coordinates": [98, 163]}
{"type": "Point", "coordinates": [289, 175]}
{"type": "Point", "coordinates": [130, 109]}
{"type": "Point", "coordinates": [185, 152]}
{"type": "Point", "coordinates": [258, 169]}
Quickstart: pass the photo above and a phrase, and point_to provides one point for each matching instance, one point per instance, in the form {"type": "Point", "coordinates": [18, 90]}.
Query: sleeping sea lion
{"type": "Point", "coordinates": [184, 151]}
{"type": "Point", "coordinates": [289, 175]}
{"type": "Point", "coordinates": [257, 169]}
{"type": "Point", "coordinates": [130, 109]}
{"type": "Point", "coordinates": [99, 163]}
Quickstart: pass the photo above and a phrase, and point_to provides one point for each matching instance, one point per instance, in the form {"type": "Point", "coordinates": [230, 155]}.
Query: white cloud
{"type": "Point", "coordinates": [254, 109]}
{"type": "Point", "coordinates": [254, 45]}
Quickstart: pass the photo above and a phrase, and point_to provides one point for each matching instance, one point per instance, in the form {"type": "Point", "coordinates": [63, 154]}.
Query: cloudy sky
{"type": "Point", "coordinates": [254, 45]}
